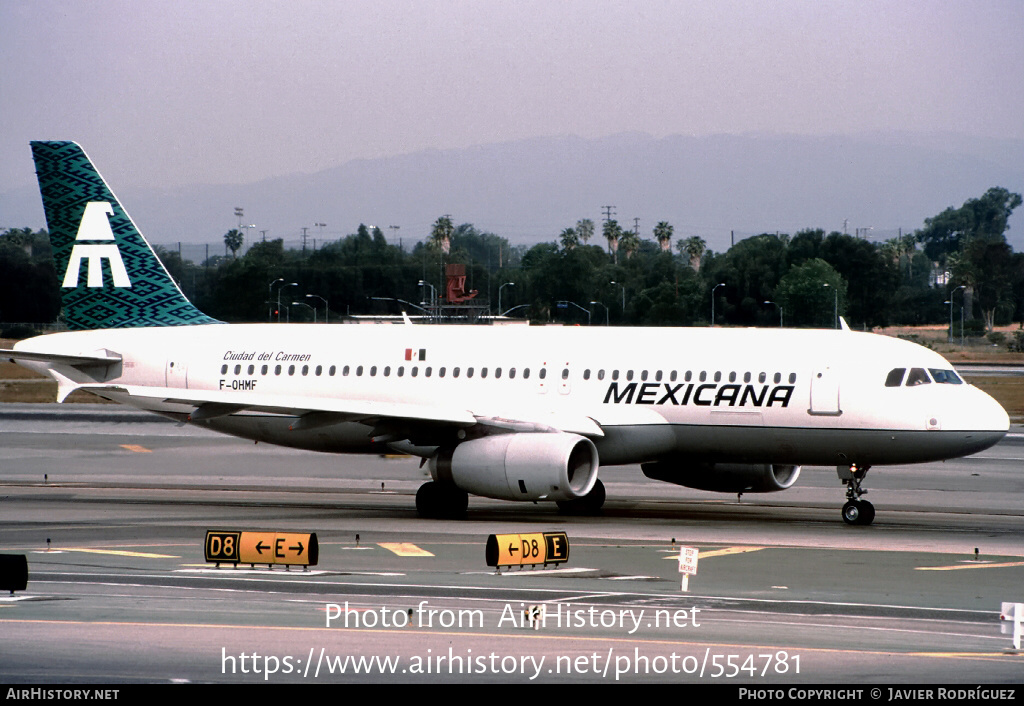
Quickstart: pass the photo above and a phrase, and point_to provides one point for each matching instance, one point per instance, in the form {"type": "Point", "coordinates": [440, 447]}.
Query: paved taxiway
{"type": "Point", "coordinates": [118, 589]}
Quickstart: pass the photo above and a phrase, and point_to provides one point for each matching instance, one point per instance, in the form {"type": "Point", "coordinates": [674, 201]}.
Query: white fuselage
{"type": "Point", "coordinates": [747, 395]}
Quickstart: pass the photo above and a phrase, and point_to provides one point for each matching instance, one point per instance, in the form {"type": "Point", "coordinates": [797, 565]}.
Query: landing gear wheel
{"type": "Point", "coordinates": [858, 512]}
{"type": "Point", "coordinates": [855, 511]}
{"type": "Point", "coordinates": [441, 501]}
{"type": "Point", "coordinates": [589, 504]}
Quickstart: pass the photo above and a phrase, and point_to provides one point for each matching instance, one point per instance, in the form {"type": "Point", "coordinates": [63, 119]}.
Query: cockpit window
{"type": "Point", "coordinates": [895, 378]}
{"type": "Point", "coordinates": [945, 376]}
{"type": "Point", "coordinates": [917, 377]}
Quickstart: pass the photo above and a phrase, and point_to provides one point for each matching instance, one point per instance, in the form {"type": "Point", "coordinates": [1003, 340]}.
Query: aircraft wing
{"type": "Point", "coordinates": [391, 419]}
{"type": "Point", "coordinates": [312, 412]}
{"type": "Point", "coordinates": [215, 403]}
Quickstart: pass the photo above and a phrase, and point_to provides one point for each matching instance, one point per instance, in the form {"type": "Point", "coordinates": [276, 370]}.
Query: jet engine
{"type": "Point", "coordinates": [525, 466]}
{"type": "Point", "coordinates": [725, 477]}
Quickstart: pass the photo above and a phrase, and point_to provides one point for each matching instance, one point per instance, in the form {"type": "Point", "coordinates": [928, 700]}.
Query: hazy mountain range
{"type": "Point", "coordinates": [529, 190]}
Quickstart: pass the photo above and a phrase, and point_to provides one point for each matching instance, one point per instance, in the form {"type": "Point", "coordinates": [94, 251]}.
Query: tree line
{"type": "Point", "coordinates": [959, 258]}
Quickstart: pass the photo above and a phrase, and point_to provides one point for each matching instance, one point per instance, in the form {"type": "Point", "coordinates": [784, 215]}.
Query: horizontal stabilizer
{"type": "Point", "coordinates": [77, 361]}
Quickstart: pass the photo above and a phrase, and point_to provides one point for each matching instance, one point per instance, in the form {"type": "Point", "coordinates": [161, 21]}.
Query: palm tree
{"type": "Point", "coordinates": [694, 248]}
{"type": "Point", "coordinates": [892, 249]}
{"type": "Point", "coordinates": [585, 230]}
{"type": "Point", "coordinates": [441, 235]}
{"type": "Point", "coordinates": [233, 240]}
{"type": "Point", "coordinates": [630, 243]}
{"type": "Point", "coordinates": [895, 249]}
{"type": "Point", "coordinates": [612, 232]}
{"type": "Point", "coordinates": [663, 234]}
{"type": "Point", "coordinates": [569, 239]}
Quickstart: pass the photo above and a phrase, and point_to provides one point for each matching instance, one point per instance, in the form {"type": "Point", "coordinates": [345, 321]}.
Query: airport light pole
{"type": "Point", "coordinates": [962, 326]}
{"type": "Point", "coordinates": [433, 292]}
{"type": "Point", "coordinates": [835, 290]}
{"type": "Point", "coordinates": [605, 311]}
{"type": "Point", "coordinates": [565, 304]}
{"type": "Point", "coordinates": [950, 302]}
{"type": "Point", "coordinates": [401, 301]}
{"type": "Point", "coordinates": [623, 298]}
{"type": "Point", "coordinates": [313, 309]}
{"type": "Point", "coordinates": [780, 312]}
{"type": "Point", "coordinates": [280, 289]}
{"type": "Point", "coordinates": [499, 294]}
{"type": "Point", "coordinates": [519, 306]}
{"type": "Point", "coordinates": [270, 298]}
{"type": "Point", "coordinates": [720, 284]}
{"type": "Point", "coordinates": [433, 297]}
{"type": "Point", "coordinates": [327, 309]}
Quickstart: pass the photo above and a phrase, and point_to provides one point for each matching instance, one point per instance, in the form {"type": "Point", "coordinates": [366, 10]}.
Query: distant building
{"type": "Point", "coordinates": [939, 276]}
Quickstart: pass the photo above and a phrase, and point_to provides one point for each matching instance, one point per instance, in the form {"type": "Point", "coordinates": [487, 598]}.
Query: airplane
{"type": "Point", "coordinates": [515, 413]}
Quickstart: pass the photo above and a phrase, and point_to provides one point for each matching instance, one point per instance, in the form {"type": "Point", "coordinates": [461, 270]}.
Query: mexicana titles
{"type": "Point", "coordinates": [700, 394]}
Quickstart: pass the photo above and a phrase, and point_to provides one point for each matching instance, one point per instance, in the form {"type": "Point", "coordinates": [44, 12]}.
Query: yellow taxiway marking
{"type": "Point", "coordinates": [136, 448]}
{"type": "Point", "coordinates": [404, 549]}
{"type": "Point", "coordinates": [720, 552]}
{"type": "Point", "coordinates": [1008, 653]}
{"type": "Point", "coordinates": [120, 552]}
{"type": "Point", "coordinates": [970, 566]}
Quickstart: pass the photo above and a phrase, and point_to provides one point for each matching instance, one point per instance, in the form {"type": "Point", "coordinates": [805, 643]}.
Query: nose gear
{"type": "Point", "coordinates": [855, 511]}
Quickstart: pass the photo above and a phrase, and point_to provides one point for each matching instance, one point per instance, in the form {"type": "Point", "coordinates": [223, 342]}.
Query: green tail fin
{"type": "Point", "coordinates": [110, 276]}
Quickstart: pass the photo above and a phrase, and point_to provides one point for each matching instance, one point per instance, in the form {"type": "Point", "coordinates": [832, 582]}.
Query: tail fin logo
{"type": "Point", "coordinates": [95, 225]}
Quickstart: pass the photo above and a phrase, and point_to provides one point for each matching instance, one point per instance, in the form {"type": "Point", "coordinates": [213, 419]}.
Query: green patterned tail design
{"type": "Point", "coordinates": [110, 276]}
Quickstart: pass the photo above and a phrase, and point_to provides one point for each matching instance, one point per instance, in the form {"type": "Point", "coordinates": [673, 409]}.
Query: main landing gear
{"type": "Point", "coordinates": [441, 501]}
{"type": "Point", "coordinates": [855, 511]}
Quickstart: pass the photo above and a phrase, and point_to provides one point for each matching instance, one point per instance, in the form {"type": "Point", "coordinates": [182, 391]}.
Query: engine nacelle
{"type": "Point", "coordinates": [541, 466]}
{"type": "Point", "coordinates": [725, 477]}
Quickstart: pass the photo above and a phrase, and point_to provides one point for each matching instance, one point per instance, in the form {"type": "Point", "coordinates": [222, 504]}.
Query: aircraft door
{"type": "Point", "coordinates": [176, 372]}
{"type": "Point", "coordinates": [825, 392]}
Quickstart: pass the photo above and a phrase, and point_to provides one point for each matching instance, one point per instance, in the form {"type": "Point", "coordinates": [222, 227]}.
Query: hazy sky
{"type": "Point", "coordinates": [168, 93]}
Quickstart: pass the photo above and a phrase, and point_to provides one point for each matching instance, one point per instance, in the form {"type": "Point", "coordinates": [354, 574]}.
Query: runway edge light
{"type": "Point", "coordinates": [13, 572]}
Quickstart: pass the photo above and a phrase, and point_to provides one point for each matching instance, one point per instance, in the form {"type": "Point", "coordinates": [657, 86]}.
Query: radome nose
{"type": "Point", "coordinates": [986, 421]}
{"type": "Point", "coordinates": [990, 415]}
